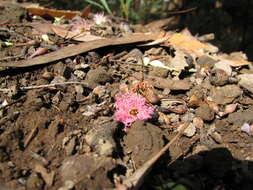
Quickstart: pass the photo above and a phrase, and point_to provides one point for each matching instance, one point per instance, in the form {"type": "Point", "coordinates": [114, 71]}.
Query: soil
{"type": "Point", "coordinates": [66, 137]}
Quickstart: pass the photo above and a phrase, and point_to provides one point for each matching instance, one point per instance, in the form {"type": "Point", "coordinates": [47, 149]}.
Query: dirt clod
{"type": "Point", "coordinates": [143, 141]}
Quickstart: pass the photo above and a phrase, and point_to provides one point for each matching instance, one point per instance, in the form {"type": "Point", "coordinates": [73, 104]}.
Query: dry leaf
{"type": "Point", "coordinates": [64, 33]}
{"type": "Point", "coordinates": [228, 109]}
{"type": "Point", "coordinates": [44, 28]}
{"type": "Point", "coordinates": [194, 101]}
{"type": "Point", "coordinates": [236, 63]}
{"type": "Point", "coordinates": [235, 59]}
{"type": "Point", "coordinates": [186, 42]}
{"type": "Point", "coordinates": [86, 37]}
{"type": "Point", "coordinates": [81, 48]}
{"type": "Point", "coordinates": [41, 11]}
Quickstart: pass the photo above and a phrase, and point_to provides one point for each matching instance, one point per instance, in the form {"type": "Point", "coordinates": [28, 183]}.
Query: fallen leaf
{"type": "Point", "coordinates": [235, 59]}
{"type": "Point", "coordinates": [45, 12]}
{"type": "Point", "coordinates": [87, 37]}
{"type": "Point", "coordinates": [81, 48]}
{"type": "Point", "coordinates": [236, 63]}
{"type": "Point", "coordinates": [230, 108]}
{"type": "Point", "coordinates": [186, 42]}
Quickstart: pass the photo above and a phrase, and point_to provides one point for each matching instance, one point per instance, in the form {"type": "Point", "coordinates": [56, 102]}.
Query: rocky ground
{"type": "Point", "coordinates": [58, 128]}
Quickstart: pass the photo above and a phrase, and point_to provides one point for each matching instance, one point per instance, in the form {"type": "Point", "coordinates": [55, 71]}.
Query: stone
{"type": "Point", "coordinates": [100, 138]}
{"type": "Point", "coordinates": [205, 113]}
{"type": "Point", "coordinates": [98, 76]}
{"type": "Point", "coordinates": [80, 74]}
{"type": "Point", "coordinates": [206, 61]}
{"type": "Point", "coordinates": [239, 118]}
{"type": "Point", "coordinates": [34, 182]}
{"type": "Point", "coordinates": [219, 77]}
{"type": "Point", "coordinates": [159, 72]}
{"type": "Point", "coordinates": [190, 130]}
{"type": "Point", "coordinates": [246, 81]}
{"type": "Point", "coordinates": [225, 94]}
{"type": "Point", "coordinates": [87, 172]}
{"type": "Point", "coordinates": [69, 148]}
{"type": "Point", "coordinates": [222, 65]}
{"type": "Point", "coordinates": [62, 69]}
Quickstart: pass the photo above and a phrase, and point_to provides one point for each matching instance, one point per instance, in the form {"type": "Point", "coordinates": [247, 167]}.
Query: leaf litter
{"type": "Point", "coordinates": [62, 113]}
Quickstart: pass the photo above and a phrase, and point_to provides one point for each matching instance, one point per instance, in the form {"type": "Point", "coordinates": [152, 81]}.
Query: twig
{"type": "Point", "coordinates": [30, 136]}
{"type": "Point", "coordinates": [2, 107]}
{"type": "Point", "coordinates": [51, 85]}
{"type": "Point", "coordinates": [6, 90]}
{"type": "Point", "coordinates": [182, 11]}
{"type": "Point", "coordinates": [136, 180]}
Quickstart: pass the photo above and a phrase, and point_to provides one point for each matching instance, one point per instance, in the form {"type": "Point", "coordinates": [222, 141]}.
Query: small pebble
{"type": "Point", "coordinates": [190, 130]}
{"type": "Point", "coordinates": [247, 129]}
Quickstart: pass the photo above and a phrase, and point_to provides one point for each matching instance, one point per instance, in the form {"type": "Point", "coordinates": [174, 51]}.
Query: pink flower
{"type": "Point", "coordinates": [100, 19]}
{"type": "Point", "coordinates": [80, 26]}
{"type": "Point", "coordinates": [131, 107]}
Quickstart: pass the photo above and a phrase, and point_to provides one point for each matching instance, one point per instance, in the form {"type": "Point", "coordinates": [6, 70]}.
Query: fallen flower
{"type": "Point", "coordinates": [131, 107]}
{"type": "Point", "coordinates": [100, 19]}
{"type": "Point", "coordinates": [80, 26]}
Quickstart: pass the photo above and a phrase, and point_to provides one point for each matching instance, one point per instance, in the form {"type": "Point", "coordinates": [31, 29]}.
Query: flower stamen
{"type": "Point", "coordinates": [133, 112]}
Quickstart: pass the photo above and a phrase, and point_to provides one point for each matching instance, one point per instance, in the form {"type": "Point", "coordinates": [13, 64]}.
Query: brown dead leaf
{"type": "Point", "coordinates": [198, 122]}
{"type": "Point", "coordinates": [45, 12]}
{"type": "Point", "coordinates": [194, 101]}
{"type": "Point", "coordinates": [146, 89]}
{"type": "Point", "coordinates": [81, 48]}
{"type": "Point", "coordinates": [62, 32]}
{"type": "Point", "coordinates": [236, 63]}
{"type": "Point", "coordinates": [213, 105]}
{"type": "Point", "coordinates": [230, 108]}
{"type": "Point", "coordinates": [186, 42]}
{"type": "Point", "coordinates": [87, 37]}
{"type": "Point", "coordinates": [86, 11]}
{"type": "Point", "coordinates": [235, 59]}
{"type": "Point", "coordinates": [45, 28]}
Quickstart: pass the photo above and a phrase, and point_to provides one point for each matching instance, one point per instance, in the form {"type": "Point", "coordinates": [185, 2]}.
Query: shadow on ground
{"type": "Point", "coordinates": [209, 170]}
{"type": "Point", "coordinates": [230, 21]}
